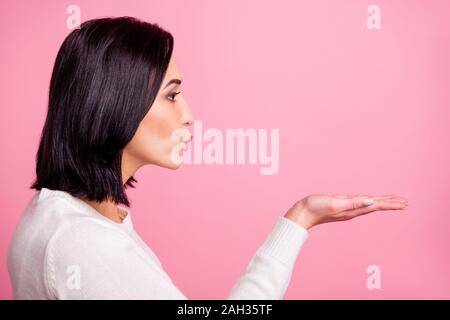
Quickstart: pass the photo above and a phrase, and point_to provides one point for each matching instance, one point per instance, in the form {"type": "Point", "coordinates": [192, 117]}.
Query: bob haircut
{"type": "Point", "coordinates": [105, 78]}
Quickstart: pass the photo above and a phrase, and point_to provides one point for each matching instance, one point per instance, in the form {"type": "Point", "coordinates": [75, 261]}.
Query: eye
{"type": "Point", "coordinates": [171, 96]}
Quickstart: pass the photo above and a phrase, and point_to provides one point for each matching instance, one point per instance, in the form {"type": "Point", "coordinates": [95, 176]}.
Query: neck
{"type": "Point", "coordinates": [108, 208]}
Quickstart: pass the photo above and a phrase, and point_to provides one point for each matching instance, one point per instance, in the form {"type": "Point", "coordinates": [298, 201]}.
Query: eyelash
{"type": "Point", "coordinates": [171, 96]}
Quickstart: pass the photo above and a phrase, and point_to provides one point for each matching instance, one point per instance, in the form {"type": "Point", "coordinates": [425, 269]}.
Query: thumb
{"type": "Point", "coordinates": [340, 204]}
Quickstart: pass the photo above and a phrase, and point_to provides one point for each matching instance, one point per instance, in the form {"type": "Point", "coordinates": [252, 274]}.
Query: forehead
{"type": "Point", "coordinates": [172, 70]}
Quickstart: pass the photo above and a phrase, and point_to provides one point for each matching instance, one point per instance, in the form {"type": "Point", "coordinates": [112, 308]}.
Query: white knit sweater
{"type": "Point", "coordinates": [64, 249]}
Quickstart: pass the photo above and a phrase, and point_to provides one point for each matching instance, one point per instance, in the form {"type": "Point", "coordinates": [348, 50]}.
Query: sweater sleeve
{"type": "Point", "coordinates": [270, 269]}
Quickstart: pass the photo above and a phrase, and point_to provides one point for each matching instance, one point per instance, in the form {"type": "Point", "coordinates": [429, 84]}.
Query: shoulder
{"type": "Point", "coordinates": [80, 233]}
{"type": "Point", "coordinates": [83, 245]}
{"type": "Point", "coordinates": [67, 224]}
{"type": "Point", "coordinates": [63, 225]}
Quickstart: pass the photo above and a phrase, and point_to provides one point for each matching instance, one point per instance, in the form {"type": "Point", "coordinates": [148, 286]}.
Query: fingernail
{"type": "Point", "coordinates": [368, 202]}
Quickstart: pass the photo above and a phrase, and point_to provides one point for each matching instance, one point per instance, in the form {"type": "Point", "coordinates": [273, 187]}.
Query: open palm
{"type": "Point", "coordinates": [321, 208]}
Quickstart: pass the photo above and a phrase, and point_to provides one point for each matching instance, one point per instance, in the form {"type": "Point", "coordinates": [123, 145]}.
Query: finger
{"type": "Point", "coordinates": [346, 196]}
{"type": "Point", "coordinates": [397, 200]}
{"type": "Point", "coordinates": [341, 202]}
{"type": "Point", "coordinates": [394, 198]}
{"type": "Point", "coordinates": [339, 196]}
{"type": "Point", "coordinates": [391, 205]}
{"type": "Point", "coordinates": [378, 206]}
{"type": "Point", "coordinates": [344, 204]}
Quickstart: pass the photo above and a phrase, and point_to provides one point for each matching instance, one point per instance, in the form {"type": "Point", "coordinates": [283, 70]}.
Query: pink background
{"type": "Point", "coordinates": [359, 111]}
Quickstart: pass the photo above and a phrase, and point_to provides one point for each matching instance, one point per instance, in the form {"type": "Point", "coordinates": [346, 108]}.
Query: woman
{"type": "Point", "coordinates": [115, 103]}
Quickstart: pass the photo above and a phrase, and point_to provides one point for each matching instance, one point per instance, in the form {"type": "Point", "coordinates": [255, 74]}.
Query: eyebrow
{"type": "Point", "coordinates": [177, 81]}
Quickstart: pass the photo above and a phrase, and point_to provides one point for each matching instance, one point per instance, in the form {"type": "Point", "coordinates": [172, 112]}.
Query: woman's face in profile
{"type": "Point", "coordinates": [154, 141]}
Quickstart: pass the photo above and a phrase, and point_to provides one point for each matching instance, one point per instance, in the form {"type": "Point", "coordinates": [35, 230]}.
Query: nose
{"type": "Point", "coordinates": [187, 117]}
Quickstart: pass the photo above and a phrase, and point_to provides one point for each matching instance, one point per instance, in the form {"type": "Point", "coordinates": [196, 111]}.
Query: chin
{"type": "Point", "coordinates": [165, 162]}
{"type": "Point", "coordinates": [169, 164]}
{"type": "Point", "coordinates": [174, 166]}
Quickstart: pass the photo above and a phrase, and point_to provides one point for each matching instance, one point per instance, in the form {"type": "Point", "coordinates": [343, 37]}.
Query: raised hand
{"type": "Point", "coordinates": [321, 208]}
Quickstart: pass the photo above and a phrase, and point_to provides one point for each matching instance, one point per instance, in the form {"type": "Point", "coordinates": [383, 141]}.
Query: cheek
{"type": "Point", "coordinates": [153, 137]}
{"type": "Point", "coordinates": [160, 122]}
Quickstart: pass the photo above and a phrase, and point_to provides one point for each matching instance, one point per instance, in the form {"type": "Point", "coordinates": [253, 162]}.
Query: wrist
{"type": "Point", "coordinates": [301, 217]}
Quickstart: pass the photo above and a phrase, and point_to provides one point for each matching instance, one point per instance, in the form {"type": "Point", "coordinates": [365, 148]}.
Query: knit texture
{"type": "Point", "coordinates": [63, 248]}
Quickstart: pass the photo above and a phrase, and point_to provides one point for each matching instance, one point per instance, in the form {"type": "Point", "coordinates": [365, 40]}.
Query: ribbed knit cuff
{"type": "Point", "coordinates": [285, 241]}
